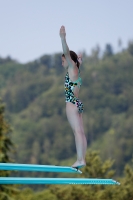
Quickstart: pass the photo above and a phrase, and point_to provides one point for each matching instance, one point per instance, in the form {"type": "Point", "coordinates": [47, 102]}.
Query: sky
{"type": "Point", "coordinates": [30, 28]}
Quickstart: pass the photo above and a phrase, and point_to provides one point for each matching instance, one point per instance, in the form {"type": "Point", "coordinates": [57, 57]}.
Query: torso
{"type": "Point", "coordinates": [71, 87]}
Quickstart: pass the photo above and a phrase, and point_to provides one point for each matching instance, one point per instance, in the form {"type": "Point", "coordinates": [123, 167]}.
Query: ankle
{"type": "Point", "coordinates": [81, 160]}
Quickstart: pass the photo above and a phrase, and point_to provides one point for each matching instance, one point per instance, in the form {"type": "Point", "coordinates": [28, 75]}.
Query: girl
{"type": "Point", "coordinates": [74, 106]}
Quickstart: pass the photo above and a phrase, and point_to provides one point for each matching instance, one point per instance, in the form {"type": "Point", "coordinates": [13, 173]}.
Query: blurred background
{"type": "Point", "coordinates": [33, 124]}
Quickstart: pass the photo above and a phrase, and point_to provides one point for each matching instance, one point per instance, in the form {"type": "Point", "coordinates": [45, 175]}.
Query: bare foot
{"type": "Point", "coordinates": [79, 164]}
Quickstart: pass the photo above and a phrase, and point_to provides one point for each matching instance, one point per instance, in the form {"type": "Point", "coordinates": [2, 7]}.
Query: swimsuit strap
{"type": "Point", "coordinates": [79, 79]}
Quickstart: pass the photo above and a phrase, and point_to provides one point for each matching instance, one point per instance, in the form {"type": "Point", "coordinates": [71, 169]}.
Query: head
{"type": "Point", "coordinates": [73, 56]}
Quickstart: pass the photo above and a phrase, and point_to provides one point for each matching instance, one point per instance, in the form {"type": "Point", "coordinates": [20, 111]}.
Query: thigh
{"type": "Point", "coordinates": [73, 116]}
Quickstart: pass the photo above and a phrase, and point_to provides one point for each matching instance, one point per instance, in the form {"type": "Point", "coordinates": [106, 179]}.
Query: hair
{"type": "Point", "coordinates": [74, 57]}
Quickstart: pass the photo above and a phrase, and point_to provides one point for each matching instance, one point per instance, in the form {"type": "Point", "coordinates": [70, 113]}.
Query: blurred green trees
{"type": "Point", "coordinates": [34, 97]}
{"type": "Point", "coordinates": [95, 168]}
{"type": "Point", "coordinates": [6, 192]}
{"type": "Point", "coordinates": [130, 47]}
{"type": "Point", "coordinates": [108, 50]}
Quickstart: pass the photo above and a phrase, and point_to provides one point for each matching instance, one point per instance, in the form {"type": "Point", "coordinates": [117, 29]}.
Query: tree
{"type": "Point", "coordinates": [57, 63]}
{"type": "Point", "coordinates": [108, 50]}
{"type": "Point", "coordinates": [6, 145]}
{"type": "Point", "coordinates": [46, 60]}
{"type": "Point", "coordinates": [120, 44]}
{"type": "Point", "coordinates": [96, 52]}
{"type": "Point", "coordinates": [130, 47]}
{"type": "Point", "coordinates": [95, 168]}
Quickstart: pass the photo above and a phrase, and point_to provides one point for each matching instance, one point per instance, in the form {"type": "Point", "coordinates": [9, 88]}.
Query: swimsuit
{"type": "Point", "coordinates": [69, 94]}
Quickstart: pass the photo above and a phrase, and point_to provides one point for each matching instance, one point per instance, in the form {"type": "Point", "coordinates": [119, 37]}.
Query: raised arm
{"type": "Point", "coordinates": [65, 46]}
{"type": "Point", "coordinates": [80, 58]}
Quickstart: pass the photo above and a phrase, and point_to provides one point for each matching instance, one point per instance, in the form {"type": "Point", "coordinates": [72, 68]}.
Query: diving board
{"type": "Point", "coordinates": [39, 168]}
{"type": "Point", "coordinates": [12, 180]}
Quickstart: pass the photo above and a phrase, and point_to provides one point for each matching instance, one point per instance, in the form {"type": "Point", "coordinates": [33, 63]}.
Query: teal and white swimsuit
{"type": "Point", "coordinates": [69, 94]}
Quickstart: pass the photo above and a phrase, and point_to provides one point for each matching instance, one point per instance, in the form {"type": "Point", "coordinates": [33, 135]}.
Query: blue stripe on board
{"type": "Point", "coordinates": [42, 168]}
{"type": "Point", "coordinates": [12, 180]}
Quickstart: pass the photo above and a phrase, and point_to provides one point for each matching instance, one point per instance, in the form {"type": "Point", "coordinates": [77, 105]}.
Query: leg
{"type": "Point", "coordinates": [75, 120]}
{"type": "Point", "coordinates": [84, 137]}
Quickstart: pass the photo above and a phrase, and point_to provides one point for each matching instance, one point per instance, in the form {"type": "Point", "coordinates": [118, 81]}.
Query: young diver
{"type": "Point", "coordinates": [74, 107]}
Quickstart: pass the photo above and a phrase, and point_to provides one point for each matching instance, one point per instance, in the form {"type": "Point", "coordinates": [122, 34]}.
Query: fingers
{"type": "Point", "coordinates": [80, 55]}
{"type": "Point", "coordinates": [62, 31]}
{"type": "Point", "coordinates": [80, 58]}
{"type": "Point", "coordinates": [62, 28]}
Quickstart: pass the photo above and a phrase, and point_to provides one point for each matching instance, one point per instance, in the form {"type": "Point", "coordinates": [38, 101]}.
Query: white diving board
{"type": "Point", "coordinates": [39, 168]}
{"type": "Point", "coordinates": [12, 180]}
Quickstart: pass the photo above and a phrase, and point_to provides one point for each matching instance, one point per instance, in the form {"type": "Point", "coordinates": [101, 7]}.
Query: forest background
{"type": "Point", "coordinates": [35, 108]}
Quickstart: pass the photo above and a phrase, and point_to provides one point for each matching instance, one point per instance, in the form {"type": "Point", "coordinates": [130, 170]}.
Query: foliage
{"type": "Point", "coordinates": [95, 168]}
{"type": "Point", "coordinates": [34, 98]}
{"type": "Point", "coordinates": [130, 47]}
{"type": "Point", "coordinates": [108, 50]}
{"type": "Point", "coordinates": [6, 146]}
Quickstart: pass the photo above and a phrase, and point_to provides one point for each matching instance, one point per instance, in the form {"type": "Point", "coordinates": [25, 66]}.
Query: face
{"type": "Point", "coordinates": [64, 62]}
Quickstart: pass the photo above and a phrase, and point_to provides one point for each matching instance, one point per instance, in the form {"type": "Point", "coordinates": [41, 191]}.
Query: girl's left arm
{"type": "Point", "coordinates": [63, 40]}
{"type": "Point", "coordinates": [65, 46]}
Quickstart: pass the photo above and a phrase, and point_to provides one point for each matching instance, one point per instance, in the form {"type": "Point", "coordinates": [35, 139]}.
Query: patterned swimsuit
{"type": "Point", "coordinates": [69, 94]}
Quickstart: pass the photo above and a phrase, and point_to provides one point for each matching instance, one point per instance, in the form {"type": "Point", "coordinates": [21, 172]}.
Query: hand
{"type": "Point", "coordinates": [62, 32]}
{"type": "Point", "coordinates": [80, 58]}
